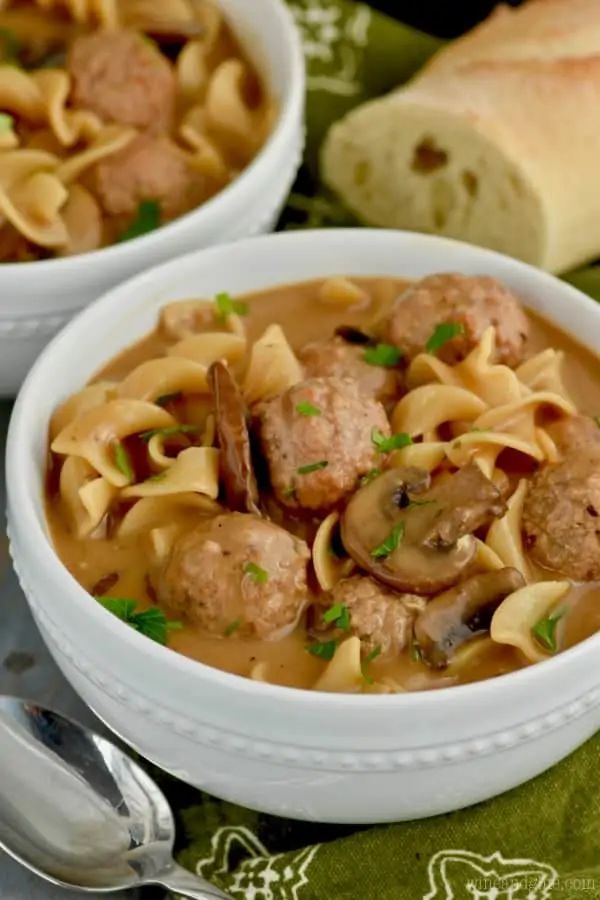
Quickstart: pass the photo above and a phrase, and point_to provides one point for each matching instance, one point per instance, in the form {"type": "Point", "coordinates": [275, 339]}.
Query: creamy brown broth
{"type": "Point", "coordinates": [305, 318]}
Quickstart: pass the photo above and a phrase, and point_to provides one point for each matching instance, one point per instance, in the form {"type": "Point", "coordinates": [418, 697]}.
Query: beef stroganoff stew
{"type": "Point", "coordinates": [365, 486]}
{"type": "Point", "coordinates": [116, 117]}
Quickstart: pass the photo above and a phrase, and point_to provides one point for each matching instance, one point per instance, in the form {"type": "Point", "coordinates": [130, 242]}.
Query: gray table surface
{"type": "Point", "coordinates": [27, 670]}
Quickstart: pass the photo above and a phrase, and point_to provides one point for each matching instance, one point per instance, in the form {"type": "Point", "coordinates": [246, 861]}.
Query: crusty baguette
{"type": "Point", "coordinates": [496, 141]}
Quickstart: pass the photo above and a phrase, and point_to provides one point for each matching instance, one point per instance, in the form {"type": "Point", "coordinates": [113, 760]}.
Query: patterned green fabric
{"type": "Point", "coordinates": [539, 842]}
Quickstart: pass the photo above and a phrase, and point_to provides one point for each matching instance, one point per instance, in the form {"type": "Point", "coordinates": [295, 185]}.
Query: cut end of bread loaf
{"type": "Point", "coordinates": [423, 171]}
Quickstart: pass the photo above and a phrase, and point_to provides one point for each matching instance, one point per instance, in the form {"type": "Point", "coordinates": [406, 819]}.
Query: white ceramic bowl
{"type": "Point", "coordinates": [337, 758]}
{"type": "Point", "coordinates": [37, 299]}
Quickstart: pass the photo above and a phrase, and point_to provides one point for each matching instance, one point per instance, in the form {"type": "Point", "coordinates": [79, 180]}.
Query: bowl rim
{"type": "Point", "coordinates": [287, 119]}
{"type": "Point", "coordinates": [23, 498]}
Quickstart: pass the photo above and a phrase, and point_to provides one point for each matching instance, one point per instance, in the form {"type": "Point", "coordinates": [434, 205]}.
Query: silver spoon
{"type": "Point", "coordinates": [77, 811]}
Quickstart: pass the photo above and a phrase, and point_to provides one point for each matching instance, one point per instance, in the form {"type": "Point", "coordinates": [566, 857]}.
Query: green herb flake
{"type": "Point", "coordinates": [168, 432]}
{"type": "Point", "coordinates": [307, 409]}
{"type": "Point", "coordinates": [597, 420]}
{"type": "Point", "coordinates": [371, 474]}
{"type": "Point", "coordinates": [152, 623]}
{"type": "Point", "coordinates": [544, 631]}
{"type": "Point", "coordinates": [313, 467]}
{"type": "Point", "coordinates": [10, 46]}
{"type": "Point", "coordinates": [383, 355]}
{"type": "Point", "coordinates": [375, 652]}
{"type": "Point", "coordinates": [289, 491]}
{"type": "Point", "coordinates": [444, 332]}
{"type": "Point", "coordinates": [7, 123]}
{"type": "Point", "coordinates": [416, 654]}
{"type": "Point", "coordinates": [339, 615]}
{"type": "Point", "coordinates": [387, 444]}
{"type": "Point", "coordinates": [147, 219]}
{"type": "Point", "coordinates": [260, 575]}
{"type": "Point", "coordinates": [324, 650]}
{"type": "Point", "coordinates": [233, 627]}
{"type": "Point", "coordinates": [123, 462]}
{"type": "Point", "coordinates": [166, 398]}
{"type": "Point", "coordinates": [391, 542]}
{"type": "Point", "coordinates": [160, 476]}
{"type": "Point", "coordinates": [226, 306]}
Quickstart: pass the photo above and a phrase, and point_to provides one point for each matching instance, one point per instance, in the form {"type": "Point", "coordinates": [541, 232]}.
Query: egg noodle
{"type": "Point", "coordinates": [489, 407]}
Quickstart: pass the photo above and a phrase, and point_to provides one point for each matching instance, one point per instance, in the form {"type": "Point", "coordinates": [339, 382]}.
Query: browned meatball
{"type": "Point", "coordinates": [574, 433]}
{"type": "Point", "coordinates": [561, 516]}
{"type": "Point", "coordinates": [344, 360]}
{"type": "Point", "coordinates": [123, 78]}
{"type": "Point", "coordinates": [236, 573]}
{"type": "Point", "coordinates": [149, 168]}
{"type": "Point", "coordinates": [379, 616]}
{"type": "Point", "coordinates": [473, 302]}
{"type": "Point", "coordinates": [318, 440]}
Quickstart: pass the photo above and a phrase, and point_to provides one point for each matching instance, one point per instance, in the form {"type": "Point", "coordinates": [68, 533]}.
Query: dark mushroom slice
{"type": "Point", "coordinates": [231, 422]}
{"type": "Point", "coordinates": [414, 537]}
{"type": "Point", "coordinates": [462, 613]}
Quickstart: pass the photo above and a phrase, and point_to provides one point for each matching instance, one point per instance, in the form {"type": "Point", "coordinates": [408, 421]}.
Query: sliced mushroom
{"type": "Point", "coordinates": [423, 543]}
{"type": "Point", "coordinates": [462, 613]}
{"type": "Point", "coordinates": [231, 421]}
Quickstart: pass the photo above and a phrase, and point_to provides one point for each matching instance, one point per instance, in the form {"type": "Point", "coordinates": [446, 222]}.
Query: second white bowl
{"type": "Point", "coordinates": [37, 299]}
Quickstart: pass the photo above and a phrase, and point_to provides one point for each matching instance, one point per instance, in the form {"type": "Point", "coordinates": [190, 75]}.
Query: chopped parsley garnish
{"type": "Point", "coordinates": [226, 306]}
{"type": "Point", "coordinates": [123, 462]}
{"type": "Point", "coordinates": [6, 123]}
{"type": "Point", "coordinates": [443, 333]}
{"type": "Point", "coordinates": [232, 627]}
{"type": "Point", "coordinates": [416, 654]}
{"type": "Point", "coordinates": [339, 615]}
{"type": "Point", "coordinates": [597, 420]}
{"type": "Point", "coordinates": [166, 398]}
{"type": "Point", "coordinates": [375, 652]}
{"type": "Point", "coordinates": [383, 355]}
{"type": "Point", "coordinates": [307, 409]}
{"type": "Point", "coordinates": [147, 219]}
{"type": "Point", "coordinates": [152, 623]}
{"type": "Point", "coordinates": [313, 467]}
{"type": "Point", "coordinates": [289, 491]}
{"type": "Point", "coordinates": [387, 444]}
{"type": "Point", "coordinates": [391, 542]}
{"type": "Point", "coordinates": [158, 477]}
{"type": "Point", "coordinates": [412, 502]}
{"type": "Point", "coordinates": [260, 575]}
{"type": "Point", "coordinates": [168, 432]}
{"type": "Point", "coordinates": [325, 650]}
{"type": "Point", "coordinates": [10, 46]}
{"type": "Point", "coordinates": [545, 631]}
{"type": "Point", "coordinates": [371, 474]}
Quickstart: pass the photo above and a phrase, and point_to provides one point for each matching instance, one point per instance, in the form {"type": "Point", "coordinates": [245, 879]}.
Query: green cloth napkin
{"type": "Point", "coordinates": [547, 829]}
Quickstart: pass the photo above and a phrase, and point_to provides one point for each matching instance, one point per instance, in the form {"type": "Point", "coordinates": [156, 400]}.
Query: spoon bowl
{"type": "Point", "coordinates": [79, 812]}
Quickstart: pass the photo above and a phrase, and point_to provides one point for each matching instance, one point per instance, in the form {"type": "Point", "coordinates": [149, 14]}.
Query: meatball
{"type": "Point", "coordinates": [561, 516]}
{"type": "Point", "coordinates": [123, 78]}
{"type": "Point", "coordinates": [378, 616]}
{"type": "Point", "coordinates": [236, 572]}
{"type": "Point", "coordinates": [473, 302]}
{"type": "Point", "coordinates": [575, 433]}
{"type": "Point", "coordinates": [149, 168]}
{"type": "Point", "coordinates": [340, 359]}
{"type": "Point", "coordinates": [317, 438]}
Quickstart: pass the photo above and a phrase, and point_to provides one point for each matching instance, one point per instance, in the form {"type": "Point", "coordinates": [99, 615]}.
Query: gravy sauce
{"type": "Point", "coordinates": [305, 317]}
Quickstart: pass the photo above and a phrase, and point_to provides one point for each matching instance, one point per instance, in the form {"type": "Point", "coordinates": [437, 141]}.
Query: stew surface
{"type": "Point", "coordinates": [368, 485]}
{"type": "Point", "coordinates": [117, 117]}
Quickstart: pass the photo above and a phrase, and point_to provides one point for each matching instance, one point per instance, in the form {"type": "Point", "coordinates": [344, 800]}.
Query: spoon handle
{"type": "Point", "coordinates": [180, 881]}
